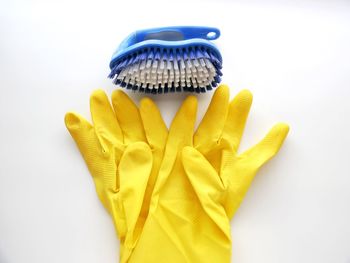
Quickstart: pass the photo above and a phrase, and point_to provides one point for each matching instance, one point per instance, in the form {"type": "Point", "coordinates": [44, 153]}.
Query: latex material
{"type": "Point", "coordinates": [119, 158]}
{"type": "Point", "coordinates": [219, 144]}
{"type": "Point", "coordinates": [178, 225]}
{"type": "Point", "coordinates": [202, 182]}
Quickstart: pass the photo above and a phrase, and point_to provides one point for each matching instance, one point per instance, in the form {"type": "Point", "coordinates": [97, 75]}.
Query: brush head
{"type": "Point", "coordinates": [161, 66]}
{"type": "Point", "coordinates": [157, 71]}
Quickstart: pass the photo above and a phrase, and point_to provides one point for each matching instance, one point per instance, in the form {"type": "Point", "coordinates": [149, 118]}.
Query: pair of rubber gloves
{"type": "Point", "coordinates": [171, 193]}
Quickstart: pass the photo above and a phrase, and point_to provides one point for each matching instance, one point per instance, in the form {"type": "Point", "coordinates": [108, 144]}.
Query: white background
{"type": "Point", "coordinates": [293, 55]}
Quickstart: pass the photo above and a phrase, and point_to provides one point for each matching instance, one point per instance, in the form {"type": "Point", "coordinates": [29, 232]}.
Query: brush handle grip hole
{"type": "Point", "coordinates": [211, 35]}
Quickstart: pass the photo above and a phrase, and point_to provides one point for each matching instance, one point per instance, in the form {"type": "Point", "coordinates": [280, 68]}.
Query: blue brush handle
{"type": "Point", "coordinates": [174, 33]}
{"type": "Point", "coordinates": [168, 37]}
{"type": "Point", "coordinates": [178, 33]}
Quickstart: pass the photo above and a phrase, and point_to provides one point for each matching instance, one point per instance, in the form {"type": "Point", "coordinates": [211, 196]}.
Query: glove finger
{"type": "Point", "coordinates": [129, 117]}
{"type": "Point", "coordinates": [211, 127]}
{"type": "Point", "coordinates": [200, 171]}
{"type": "Point", "coordinates": [207, 185]}
{"type": "Point", "coordinates": [182, 126]}
{"type": "Point", "coordinates": [236, 118]}
{"type": "Point", "coordinates": [153, 123]}
{"type": "Point", "coordinates": [267, 147]}
{"type": "Point", "coordinates": [84, 136]}
{"type": "Point", "coordinates": [134, 170]}
{"type": "Point", "coordinates": [104, 120]}
{"type": "Point", "coordinates": [180, 135]}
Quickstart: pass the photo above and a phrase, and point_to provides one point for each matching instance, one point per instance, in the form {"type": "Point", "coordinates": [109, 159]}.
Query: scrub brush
{"type": "Point", "coordinates": [168, 59]}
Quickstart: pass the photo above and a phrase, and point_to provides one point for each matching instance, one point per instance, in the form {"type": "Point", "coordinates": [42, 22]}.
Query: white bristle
{"type": "Point", "coordinates": [143, 65]}
{"type": "Point", "coordinates": [155, 66]}
{"type": "Point", "coordinates": [149, 63]}
{"type": "Point", "coordinates": [196, 63]}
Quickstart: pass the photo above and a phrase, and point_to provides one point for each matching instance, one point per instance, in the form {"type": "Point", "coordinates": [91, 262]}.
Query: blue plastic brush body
{"type": "Point", "coordinates": [167, 37]}
{"type": "Point", "coordinates": [168, 59]}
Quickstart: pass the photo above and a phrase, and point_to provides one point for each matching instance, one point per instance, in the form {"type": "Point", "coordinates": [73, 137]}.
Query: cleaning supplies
{"type": "Point", "coordinates": [171, 194]}
{"type": "Point", "coordinates": [168, 59]}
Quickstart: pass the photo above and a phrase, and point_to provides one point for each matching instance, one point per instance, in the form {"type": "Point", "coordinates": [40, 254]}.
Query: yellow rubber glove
{"type": "Point", "coordinates": [188, 219]}
{"type": "Point", "coordinates": [119, 158]}
{"type": "Point", "coordinates": [218, 137]}
{"type": "Point", "coordinates": [179, 228]}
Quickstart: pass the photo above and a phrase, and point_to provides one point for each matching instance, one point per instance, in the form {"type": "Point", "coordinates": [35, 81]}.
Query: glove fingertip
{"type": "Point", "coordinates": [98, 96]}
{"type": "Point", "coordinates": [223, 87]}
{"type": "Point", "coordinates": [118, 95]}
{"type": "Point", "coordinates": [279, 132]}
{"type": "Point", "coordinates": [146, 103]}
{"type": "Point", "coordinates": [283, 127]}
{"type": "Point", "coordinates": [243, 99]}
{"type": "Point", "coordinates": [73, 121]}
